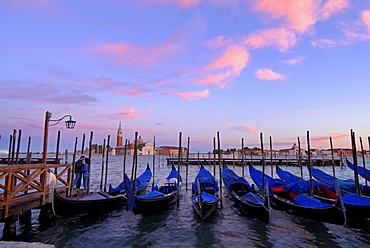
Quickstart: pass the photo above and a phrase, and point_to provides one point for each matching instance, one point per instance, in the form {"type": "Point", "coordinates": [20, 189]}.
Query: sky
{"type": "Point", "coordinates": [195, 67]}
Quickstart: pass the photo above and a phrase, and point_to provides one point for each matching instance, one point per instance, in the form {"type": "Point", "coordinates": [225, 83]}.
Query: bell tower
{"type": "Point", "coordinates": [119, 135]}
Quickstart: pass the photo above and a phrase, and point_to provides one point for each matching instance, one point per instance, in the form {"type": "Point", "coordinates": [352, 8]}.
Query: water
{"type": "Point", "coordinates": [229, 226]}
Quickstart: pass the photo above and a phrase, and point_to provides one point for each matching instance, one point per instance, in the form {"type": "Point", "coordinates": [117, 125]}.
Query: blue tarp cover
{"type": "Point", "coordinates": [353, 199]}
{"type": "Point", "coordinates": [346, 185]}
{"type": "Point", "coordinates": [230, 178]}
{"type": "Point", "coordinates": [296, 184]}
{"type": "Point", "coordinates": [173, 174]}
{"type": "Point", "coordinates": [322, 176]}
{"type": "Point", "coordinates": [361, 170]}
{"type": "Point", "coordinates": [206, 197]}
{"type": "Point", "coordinates": [130, 203]}
{"type": "Point", "coordinates": [140, 182]}
{"type": "Point", "coordinates": [256, 175]}
{"type": "Point", "coordinates": [309, 202]}
{"type": "Point", "coordinates": [204, 176]}
{"type": "Point", "coordinates": [252, 198]}
{"type": "Point", "coordinates": [153, 194]}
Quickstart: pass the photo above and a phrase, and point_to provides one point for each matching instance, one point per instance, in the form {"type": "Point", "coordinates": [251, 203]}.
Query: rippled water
{"type": "Point", "coordinates": [181, 227]}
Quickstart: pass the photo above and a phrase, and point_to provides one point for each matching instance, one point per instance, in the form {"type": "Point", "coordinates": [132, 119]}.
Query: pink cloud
{"type": "Point", "coordinates": [281, 38]}
{"type": "Point", "coordinates": [299, 15]}
{"type": "Point", "coordinates": [333, 6]}
{"type": "Point", "coordinates": [277, 116]}
{"type": "Point", "coordinates": [294, 61]}
{"type": "Point", "coordinates": [126, 113]}
{"type": "Point", "coordinates": [137, 55]}
{"type": "Point", "coordinates": [182, 3]}
{"type": "Point", "coordinates": [335, 136]}
{"type": "Point", "coordinates": [197, 95]}
{"type": "Point", "coordinates": [247, 129]}
{"type": "Point", "coordinates": [135, 91]}
{"type": "Point", "coordinates": [230, 63]}
{"type": "Point", "coordinates": [217, 79]}
{"type": "Point", "coordinates": [228, 124]}
{"type": "Point", "coordinates": [113, 48]}
{"type": "Point", "coordinates": [145, 89]}
{"type": "Point", "coordinates": [267, 74]}
{"type": "Point", "coordinates": [354, 32]}
{"type": "Point", "coordinates": [327, 43]}
{"type": "Point", "coordinates": [218, 41]}
{"type": "Point", "coordinates": [365, 18]}
{"type": "Point", "coordinates": [235, 57]}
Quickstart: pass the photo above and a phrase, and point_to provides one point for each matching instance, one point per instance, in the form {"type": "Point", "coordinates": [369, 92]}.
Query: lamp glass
{"type": "Point", "coordinates": [70, 124]}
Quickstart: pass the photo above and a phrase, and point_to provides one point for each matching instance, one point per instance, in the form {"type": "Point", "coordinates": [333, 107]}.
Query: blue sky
{"type": "Point", "coordinates": [281, 67]}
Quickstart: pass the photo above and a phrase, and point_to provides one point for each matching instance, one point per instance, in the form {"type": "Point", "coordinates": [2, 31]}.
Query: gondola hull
{"type": "Point", "coordinates": [333, 214]}
{"type": "Point", "coordinates": [93, 203]}
{"type": "Point", "coordinates": [205, 209]}
{"type": "Point", "coordinates": [155, 204]}
{"type": "Point", "coordinates": [262, 212]}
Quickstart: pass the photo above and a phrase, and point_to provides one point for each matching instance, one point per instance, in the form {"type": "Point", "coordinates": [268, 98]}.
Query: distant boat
{"type": "Point", "coordinates": [204, 193]}
{"type": "Point", "coordinates": [245, 195]}
{"type": "Point", "coordinates": [162, 196]}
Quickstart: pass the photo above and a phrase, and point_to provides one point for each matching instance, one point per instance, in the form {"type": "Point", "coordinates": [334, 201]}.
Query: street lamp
{"type": "Point", "coordinates": [70, 124]}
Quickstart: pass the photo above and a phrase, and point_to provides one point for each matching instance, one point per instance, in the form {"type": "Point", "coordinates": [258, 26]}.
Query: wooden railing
{"type": "Point", "coordinates": [19, 183]}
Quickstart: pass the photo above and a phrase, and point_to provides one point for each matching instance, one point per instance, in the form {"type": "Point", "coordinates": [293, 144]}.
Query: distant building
{"type": "Point", "coordinates": [4, 151]}
{"type": "Point", "coordinates": [119, 136]}
{"type": "Point", "coordinates": [143, 148]}
{"type": "Point", "coordinates": [170, 150]}
{"type": "Point", "coordinates": [294, 151]}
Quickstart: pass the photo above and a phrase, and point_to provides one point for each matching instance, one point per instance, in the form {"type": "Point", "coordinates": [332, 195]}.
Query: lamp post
{"type": "Point", "coordinates": [70, 124]}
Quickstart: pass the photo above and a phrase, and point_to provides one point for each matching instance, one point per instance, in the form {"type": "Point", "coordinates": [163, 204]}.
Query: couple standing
{"type": "Point", "coordinates": [81, 172]}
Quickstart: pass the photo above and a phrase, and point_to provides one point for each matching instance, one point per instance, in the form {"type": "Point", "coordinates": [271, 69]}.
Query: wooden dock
{"type": "Point", "coordinates": [10, 161]}
{"type": "Point", "coordinates": [258, 161]}
{"type": "Point", "coordinates": [25, 187]}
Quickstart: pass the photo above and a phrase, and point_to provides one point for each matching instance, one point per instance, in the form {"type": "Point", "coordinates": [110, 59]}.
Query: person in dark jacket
{"type": "Point", "coordinates": [78, 171]}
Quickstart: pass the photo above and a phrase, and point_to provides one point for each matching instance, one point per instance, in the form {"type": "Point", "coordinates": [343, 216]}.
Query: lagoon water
{"type": "Point", "coordinates": [180, 226]}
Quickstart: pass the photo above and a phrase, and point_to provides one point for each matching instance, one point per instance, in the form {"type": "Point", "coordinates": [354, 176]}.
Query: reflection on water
{"type": "Point", "coordinates": [180, 226]}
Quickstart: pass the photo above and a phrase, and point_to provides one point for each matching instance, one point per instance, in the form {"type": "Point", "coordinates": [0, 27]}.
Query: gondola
{"type": "Point", "coordinates": [92, 203]}
{"type": "Point", "coordinates": [141, 183]}
{"type": "Point", "coordinates": [299, 185]}
{"type": "Point", "coordinates": [204, 193]}
{"type": "Point", "coordinates": [346, 185]}
{"type": "Point", "coordinates": [357, 206]}
{"type": "Point", "coordinates": [245, 195]}
{"type": "Point", "coordinates": [283, 198]}
{"type": "Point", "coordinates": [162, 196]}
